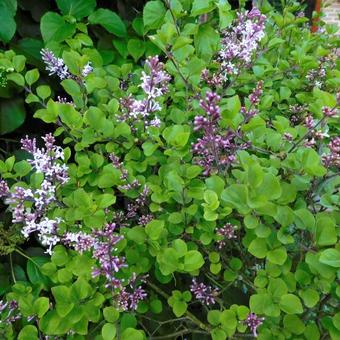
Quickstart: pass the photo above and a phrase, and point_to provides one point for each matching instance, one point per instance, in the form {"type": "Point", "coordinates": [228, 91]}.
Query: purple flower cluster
{"type": "Point", "coordinates": [119, 166]}
{"type": "Point", "coordinates": [9, 312]}
{"type": "Point", "coordinates": [329, 112]}
{"type": "Point", "coordinates": [203, 293]}
{"type": "Point", "coordinates": [154, 84]}
{"type": "Point", "coordinates": [55, 65]}
{"type": "Point", "coordinates": [87, 70]}
{"type": "Point", "coordinates": [30, 206]}
{"type": "Point", "coordinates": [317, 77]}
{"type": "Point", "coordinates": [254, 99]}
{"type": "Point", "coordinates": [140, 201]}
{"type": "Point", "coordinates": [240, 41]}
{"type": "Point", "coordinates": [102, 243]}
{"type": "Point", "coordinates": [253, 322]}
{"type": "Point", "coordinates": [227, 232]}
{"type": "Point", "coordinates": [333, 158]}
{"type": "Point", "coordinates": [213, 149]}
{"type": "Point", "coordinates": [128, 300]}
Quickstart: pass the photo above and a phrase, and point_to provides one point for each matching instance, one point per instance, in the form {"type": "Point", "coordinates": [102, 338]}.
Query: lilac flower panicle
{"type": "Point", "coordinates": [154, 83]}
{"type": "Point", "coordinates": [240, 41]}
{"type": "Point", "coordinates": [205, 294]}
{"type": "Point", "coordinates": [213, 150]}
{"type": "Point", "coordinates": [253, 322]}
{"type": "Point", "coordinates": [54, 65]}
{"type": "Point", "coordinates": [129, 296]}
{"type": "Point", "coordinates": [227, 232]}
{"type": "Point", "coordinates": [328, 112]}
{"type": "Point", "coordinates": [87, 70]}
{"type": "Point", "coordinates": [30, 206]}
{"type": "Point", "coordinates": [4, 189]}
{"type": "Point", "coordinates": [333, 157]}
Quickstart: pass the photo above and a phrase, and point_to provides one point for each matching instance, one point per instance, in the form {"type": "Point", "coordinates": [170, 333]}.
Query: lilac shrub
{"type": "Point", "coordinates": [190, 186]}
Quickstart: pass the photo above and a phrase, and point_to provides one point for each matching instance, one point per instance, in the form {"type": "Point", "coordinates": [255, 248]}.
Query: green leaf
{"type": "Point", "coordinates": [8, 25]}
{"type": "Point", "coordinates": [54, 28]}
{"type": "Point", "coordinates": [22, 168]}
{"type": "Point", "coordinates": [325, 231]}
{"type": "Point", "coordinates": [109, 20]}
{"type": "Point", "coordinates": [136, 48]}
{"type": "Point", "coordinates": [33, 271]}
{"type": "Point", "coordinates": [131, 333]}
{"type": "Point", "coordinates": [310, 297]}
{"type": "Point", "coordinates": [41, 306]}
{"type": "Point", "coordinates": [225, 13]}
{"type": "Point", "coordinates": [331, 257]}
{"type": "Point", "coordinates": [32, 76]}
{"type": "Point", "coordinates": [232, 106]}
{"type": "Point", "coordinates": [73, 89]}
{"type": "Point", "coordinates": [154, 229]}
{"type": "Point", "coordinates": [193, 260]}
{"type": "Point", "coordinates": [214, 317]}
{"type": "Point", "coordinates": [29, 332]}
{"type": "Point", "coordinates": [201, 6]}
{"type": "Point", "coordinates": [109, 331]}
{"type": "Point", "coordinates": [291, 304]}
{"type": "Point", "coordinates": [12, 115]}
{"type": "Point", "coordinates": [179, 308]}
{"type": "Point", "coordinates": [277, 256]}
{"type": "Point", "coordinates": [76, 8]}
{"type": "Point", "coordinates": [236, 195]}
{"type": "Point", "coordinates": [153, 14]}
{"type": "Point", "coordinates": [111, 314]}
{"type": "Point", "coordinates": [43, 91]}
{"type": "Point", "coordinates": [206, 41]}
{"type": "Point", "coordinates": [293, 324]}
{"type": "Point", "coordinates": [258, 248]}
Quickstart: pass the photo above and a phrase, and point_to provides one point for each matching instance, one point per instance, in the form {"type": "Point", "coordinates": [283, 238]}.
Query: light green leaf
{"type": "Point", "coordinates": [109, 20]}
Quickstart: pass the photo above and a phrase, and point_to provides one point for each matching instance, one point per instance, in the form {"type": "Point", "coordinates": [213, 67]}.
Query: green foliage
{"type": "Point", "coordinates": [279, 194]}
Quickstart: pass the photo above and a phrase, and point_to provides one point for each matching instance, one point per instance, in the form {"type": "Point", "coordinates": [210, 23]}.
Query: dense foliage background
{"type": "Point", "coordinates": [180, 173]}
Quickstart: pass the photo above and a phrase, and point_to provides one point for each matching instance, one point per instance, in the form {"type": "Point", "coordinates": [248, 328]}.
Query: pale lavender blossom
{"type": "Point", "coordinates": [4, 190]}
{"type": "Point", "coordinates": [154, 83]}
{"type": "Point", "coordinates": [55, 65]}
{"type": "Point", "coordinates": [240, 41]}
{"type": "Point", "coordinates": [253, 322]}
{"type": "Point", "coordinates": [203, 293]}
{"type": "Point", "coordinates": [87, 70]}
{"type": "Point", "coordinates": [30, 206]}
{"type": "Point", "coordinates": [102, 243]}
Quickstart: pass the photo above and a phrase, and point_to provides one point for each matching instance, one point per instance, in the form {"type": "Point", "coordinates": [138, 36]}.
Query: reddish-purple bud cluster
{"type": "Point", "coordinates": [130, 295]}
{"type": "Point", "coordinates": [253, 322]}
{"type": "Point", "coordinates": [333, 158]}
{"type": "Point", "coordinates": [203, 293]}
{"type": "Point", "coordinates": [329, 112]}
{"type": "Point", "coordinates": [213, 150]}
{"type": "Point", "coordinates": [227, 232]}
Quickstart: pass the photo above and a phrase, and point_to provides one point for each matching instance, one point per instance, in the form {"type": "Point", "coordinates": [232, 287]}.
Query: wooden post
{"type": "Point", "coordinates": [317, 9]}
